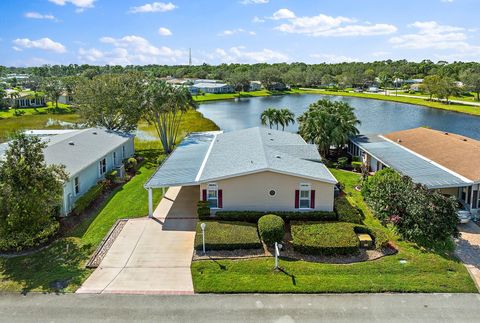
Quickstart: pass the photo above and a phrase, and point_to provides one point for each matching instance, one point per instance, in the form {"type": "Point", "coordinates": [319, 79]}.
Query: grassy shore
{"type": "Point", "coordinates": [416, 101]}
{"type": "Point", "coordinates": [65, 259]}
{"type": "Point", "coordinates": [230, 96]}
{"type": "Point", "coordinates": [424, 271]}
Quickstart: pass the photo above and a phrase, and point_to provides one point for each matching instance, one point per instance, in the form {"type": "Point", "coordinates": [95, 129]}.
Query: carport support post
{"type": "Point", "coordinates": [150, 203]}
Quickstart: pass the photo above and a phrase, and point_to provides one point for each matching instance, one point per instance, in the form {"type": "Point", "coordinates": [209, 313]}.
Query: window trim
{"type": "Point", "coordinates": [212, 187]}
{"type": "Point", "coordinates": [308, 188]}
{"type": "Point", "coordinates": [102, 166]}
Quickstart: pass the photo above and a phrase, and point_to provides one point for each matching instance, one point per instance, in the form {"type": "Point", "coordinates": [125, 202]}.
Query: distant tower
{"type": "Point", "coordinates": [189, 57]}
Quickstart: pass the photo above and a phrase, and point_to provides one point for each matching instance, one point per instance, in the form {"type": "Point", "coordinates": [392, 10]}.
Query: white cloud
{"type": "Point", "coordinates": [42, 43]}
{"type": "Point", "coordinates": [447, 1]}
{"type": "Point", "coordinates": [164, 31]}
{"type": "Point", "coordinates": [283, 14]}
{"type": "Point", "coordinates": [230, 32]}
{"type": "Point", "coordinates": [328, 26]}
{"type": "Point", "coordinates": [332, 58]}
{"type": "Point", "coordinates": [239, 54]}
{"type": "Point", "coordinates": [257, 20]}
{"type": "Point", "coordinates": [380, 54]}
{"type": "Point", "coordinates": [80, 4]}
{"type": "Point", "coordinates": [246, 2]}
{"type": "Point", "coordinates": [37, 15]}
{"type": "Point", "coordinates": [131, 49]}
{"type": "Point", "coordinates": [153, 7]}
{"type": "Point", "coordinates": [430, 34]}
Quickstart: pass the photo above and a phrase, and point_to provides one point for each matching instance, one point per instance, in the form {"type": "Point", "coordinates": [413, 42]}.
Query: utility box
{"type": "Point", "coordinates": [365, 240]}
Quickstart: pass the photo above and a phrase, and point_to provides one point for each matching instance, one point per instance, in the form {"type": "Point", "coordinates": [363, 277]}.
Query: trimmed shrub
{"type": "Point", "coordinates": [346, 212]}
{"type": "Point", "coordinates": [271, 228]}
{"type": "Point", "coordinates": [254, 216]}
{"type": "Point", "coordinates": [357, 166]}
{"type": "Point", "coordinates": [342, 162]}
{"type": "Point", "coordinates": [332, 238]}
{"type": "Point", "coordinates": [221, 235]}
{"type": "Point", "coordinates": [131, 164]}
{"type": "Point", "coordinates": [88, 198]}
{"type": "Point", "coordinates": [112, 175]}
{"type": "Point", "coordinates": [356, 159]}
{"type": "Point", "coordinates": [203, 210]}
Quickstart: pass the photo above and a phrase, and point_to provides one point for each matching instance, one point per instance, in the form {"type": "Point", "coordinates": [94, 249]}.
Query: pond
{"type": "Point", "coordinates": [376, 116]}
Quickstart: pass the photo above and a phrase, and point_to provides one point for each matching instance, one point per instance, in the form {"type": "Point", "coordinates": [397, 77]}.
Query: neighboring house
{"type": "Point", "coordinates": [416, 87]}
{"type": "Point", "coordinates": [212, 88]}
{"type": "Point", "coordinates": [440, 160]}
{"type": "Point", "coordinates": [255, 86]}
{"type": "Point", "coordinates": [373, 89]}
{"type": "Point", "coordinates": [65, 98]}
{"type": "Point", "coordinates": [88, 155]}
{"type": "Point", "coordinates": [277, 86]}
{"type": "Point", "coordinates": [26, 100]}
{"type": "Point", "coordinates": [255, 169]}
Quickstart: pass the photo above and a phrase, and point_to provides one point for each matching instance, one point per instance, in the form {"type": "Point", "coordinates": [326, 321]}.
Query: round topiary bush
{"type": "Point", "coordinates": [271, 228]}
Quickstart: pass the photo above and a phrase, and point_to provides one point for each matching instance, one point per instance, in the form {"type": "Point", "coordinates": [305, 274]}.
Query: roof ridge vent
{"type": "Point", "coordinates": [446, 133]}
{"type": "Point", "coordinates": [399, 140]}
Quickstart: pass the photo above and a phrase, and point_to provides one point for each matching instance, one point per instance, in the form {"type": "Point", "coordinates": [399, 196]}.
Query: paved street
{"type": "Point", "coordinates": [152, 256]}
{"type": "Point", "coordinates": [241, 308]}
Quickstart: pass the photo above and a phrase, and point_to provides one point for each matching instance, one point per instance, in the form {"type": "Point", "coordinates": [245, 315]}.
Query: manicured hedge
{"type": "Point", "coordinates": [331, 238]}
{"type": "Point", "coordinates": [88, 198]}
{"type": "Point", "coordinates": [346, 212]}
{"type": "Point", "coordinates": [254, 216]}
{"type": "Point", "coordinates": [203, 210]}
{"type": "Point", "coordinates": [221, 235]}
{"type": "Point", "coordinates": [271, 228]}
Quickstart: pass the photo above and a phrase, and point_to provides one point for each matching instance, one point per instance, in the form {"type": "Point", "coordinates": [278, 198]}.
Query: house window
{"type": "Point", "coordinates": [123, 152]}
{"type": "Point", "coordinates": [103, 166]}
{"type": "Point", "coordinates": [76, 185]}
{"type": "Point", "coordinates": [304, 196]}
{"type": "Point", "coordinates": [212, 195]}
{"type": "Point", "coordinates": [114, 158]}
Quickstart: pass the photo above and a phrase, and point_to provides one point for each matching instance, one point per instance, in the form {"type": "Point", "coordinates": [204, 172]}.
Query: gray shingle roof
{"type": "Point", "coordinates": [239, 153]}
{"type": "Point", "coordinates": [419, 169]}
{"type": "Point", "coordinates": [89, 145]}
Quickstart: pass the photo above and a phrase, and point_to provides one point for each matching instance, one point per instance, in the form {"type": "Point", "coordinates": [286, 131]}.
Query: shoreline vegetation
{"type": "Point", "coordinates": [454, 107]}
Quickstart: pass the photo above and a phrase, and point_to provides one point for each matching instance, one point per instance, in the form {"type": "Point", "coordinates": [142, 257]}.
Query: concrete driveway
{"type": "Point", "coordinates": [468, 249]}
{"type": "Point", "coordinates": [152, 256]}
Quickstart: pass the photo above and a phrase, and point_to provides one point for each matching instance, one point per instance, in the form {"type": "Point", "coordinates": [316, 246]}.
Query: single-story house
{"type": "Point", "coordinates": [416, 87]}
{"type": "Point", "coordinates": [255, 86]}
{"type": "Point", "coordinates": [255, 169]}
{"type": "Point", "coordinates": [440, 160]}
{"type": "Point", "coordinates": [88, 155]}
{"type": "Point", "coordinates": [65, 98]}
{"type": "Point", "coordinates": [213, 88]}
{"type": "Point", "coordinates": [26, 99]}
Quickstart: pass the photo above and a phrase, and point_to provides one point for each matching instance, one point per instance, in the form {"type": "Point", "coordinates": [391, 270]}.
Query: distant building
{"type": "Point", "coordinates": [65, 98]}
{"type": "Point", "coordinates": [255, 86]}
{"type": "Point", "coordinates": [215, 88]}
{"type": "Point", "coordinates": [25, 100]}
{"type": "Point", "coordinates": [373, 89]}
{"type": "Point", "coordinates": [416, 87]}
{"type": "Point", "coordinates": [277, 86]}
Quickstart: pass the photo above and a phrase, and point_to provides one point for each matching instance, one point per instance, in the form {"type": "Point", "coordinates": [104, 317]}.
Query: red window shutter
{"type": "Point", "coordinates": [312, 199]}
{"type": "Point", "coordinates": [297, 199]}
{"type": "Point", "coordinates": [204, 195]}
{"type": "Point", "coordinates": [220, 199]}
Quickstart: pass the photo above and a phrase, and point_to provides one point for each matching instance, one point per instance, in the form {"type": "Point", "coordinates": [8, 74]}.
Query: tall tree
{"type": "Point", "coordinates": [30, 194]}
{"type": "Point", "coordinates": [285, 117]}
{"type": "Point", "coordinates": [53, 88]}
{"type": "Point", "coordinates": [471, 79]}
{"type": "Point", "coordinates": [327, 123]}
{"type": "Point", "coordinates": [269, 117]}
{"type": "Point", "coordinates": [164, 107]}
{"type": "Point", "coordinates": [385, 80]}
{"type": "Point", "coordinates": [112, 101]}
{"type": "Point", "coordinates": [13, 96]}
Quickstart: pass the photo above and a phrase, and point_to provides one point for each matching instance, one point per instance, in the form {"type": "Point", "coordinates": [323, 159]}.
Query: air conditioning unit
{"type": "Point", "coordinates": [120, 171]}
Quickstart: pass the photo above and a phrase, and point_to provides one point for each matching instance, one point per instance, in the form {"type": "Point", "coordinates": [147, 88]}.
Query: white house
{"type": "Point", "coordinates": [26, 99]}
{"type": "Point", "coordinates": [255, 86]}
{"type": "Point", "coordinates": [213, 88]}
{"type": "Point", "coordinates": [88, 155]}
{"type": "Point", "coordinates": [256, 169]}
{"type": "Point", "coordinates": [439, 160]}
{"type": "Point", "coordinates": [65, 98]}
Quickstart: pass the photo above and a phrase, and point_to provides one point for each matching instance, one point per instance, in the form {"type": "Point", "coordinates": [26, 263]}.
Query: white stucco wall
{"type": "Point", "coordinates": [90, 175]}
{"type": "Point", "coordinates": [250, 192]}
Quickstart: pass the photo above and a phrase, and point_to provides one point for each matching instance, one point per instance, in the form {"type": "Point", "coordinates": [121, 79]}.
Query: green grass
{"type": "Point", "coordinates": [324, 238]}
{"type": "Point", "coordinates": [228, 236]}
{"type": "Point", "coordinates": [65, 259]}
{"type": "Point", "coordinates": [424, 271]}
{"type": "Point", "coordinates": [417, 101]}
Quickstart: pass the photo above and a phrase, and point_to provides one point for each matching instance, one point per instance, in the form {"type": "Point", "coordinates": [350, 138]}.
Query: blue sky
{"type": "Point", "coordinates": [37, 32]}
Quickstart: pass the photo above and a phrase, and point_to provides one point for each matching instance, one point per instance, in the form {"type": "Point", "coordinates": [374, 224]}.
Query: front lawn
{"type": "Point", "coordinates": [220, 235]}
{"type": "Point", "coordinates": [424, 271]}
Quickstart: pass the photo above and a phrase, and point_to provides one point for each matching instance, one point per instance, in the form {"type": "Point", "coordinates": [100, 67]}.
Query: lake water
{"type": "Point", "coordinates": [376, 116]}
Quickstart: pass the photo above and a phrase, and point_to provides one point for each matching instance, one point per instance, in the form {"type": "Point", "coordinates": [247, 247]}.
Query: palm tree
{"type": "Point", "coordinates": [385, 80]}
{"type": "Point", "coordinates": [328, 124]}
{"type": "Point", "coordinates": [270, 117]}
{"type": "Point", "coordinates": [13, 96]}
{"type": "Point", "coordinates": [285, 118]}
{"type": "Point", "coordinates": [3, 94]}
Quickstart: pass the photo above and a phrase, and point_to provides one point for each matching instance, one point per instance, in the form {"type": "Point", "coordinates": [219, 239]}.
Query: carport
{"type": "Point", "coordinates": [184, 165]}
